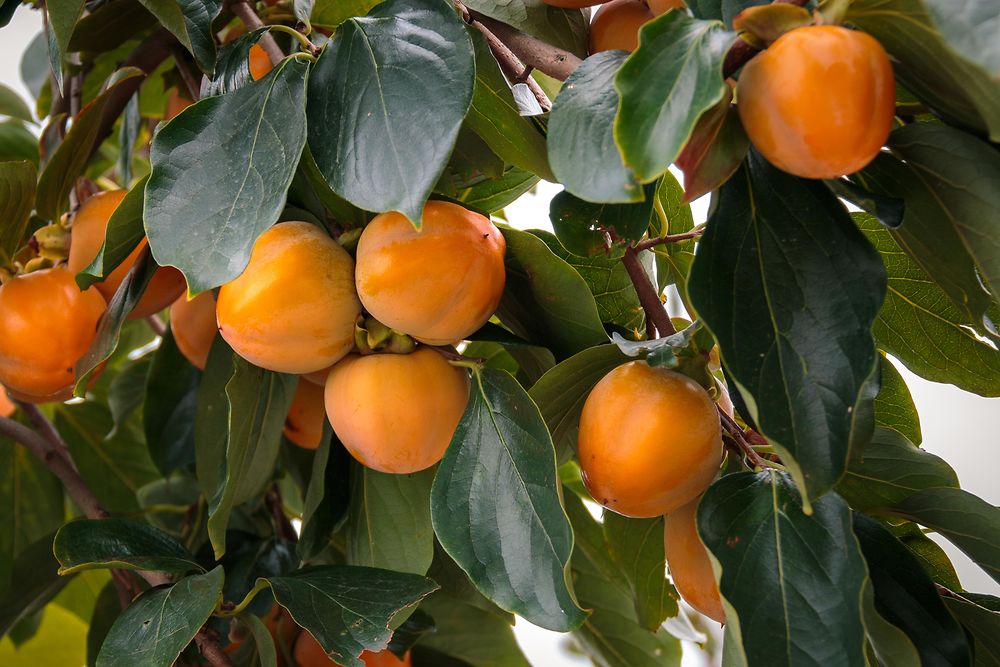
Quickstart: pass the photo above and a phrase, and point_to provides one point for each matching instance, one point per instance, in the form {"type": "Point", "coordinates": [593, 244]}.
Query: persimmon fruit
{"type": "Point", "coordinates": [396, 413]}
{"type": "Point", "coordinates": [660, 7]}
{"type": "Point", "coordinates": [438, 284]}
{"type": "Point", "coordinates": [89, 227]}
{"type": "Point", "coordinates": [616, 25]}
{"type": "Point", "coordinates": [294, 307]}
{"type": "Point", "coordinates": [819, 102]}
{"type": "Point", "coordinates": [689, 563]}
{"type": "Point", "coordinates": [194, 327]}
{"type": "Point", "coordinates": [7, 406]}
{"type": "Point", "coordinates": [308, 653]}
{"type": "Point", "coordinates": [650, 440]}
{"type": "Point", "coordinates": [282, 629]}
{"type": "Point", "coordinates": [259, 61]}
{"type": "Point", "coordinates": [176, 103]}
{"type": "Point", "coordinates": [306, 416]}
{"type": "Point", "coordinates": [46, 326]}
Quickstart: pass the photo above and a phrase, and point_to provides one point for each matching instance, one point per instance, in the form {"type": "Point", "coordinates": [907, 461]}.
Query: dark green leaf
{"type": "Point", "coordinates": [497, 492]}
{"type": "Point", "coordinates": [565, 28]}
{"type": "Point", "coordinates": [331, 13]}
{"type": "Point", "coordinates": [128, 132]}
{"type": "Point", "coordinates": [17, 144]}
{"type": "Point", "coordinates": [721, 10]}
{"type": "Point", "coordinates": [34, 581]}
{"type": "Point", "coordinates": [211, 421]}
{"type": "Point", "coordinates": [471, 634]}
{"type": "Point", "coordinates": [258, 404]}
{"type": "Point", "coordinates": [408, 51]}
{"type": "Point", "coordinates": [232, 70]}
{"type": "Point", "coordinates": [191, 23]}
{"type": "Point", "coordinates": [919, 325]}
{"type": "Point", "coordinates": [672, 216]}
{"type": "Point", "coordinates": [63, 15]}
{"type": "Point", "coordinates": [930, 555]}
{"type": "Point", "coordinates": [12, 105]}
{"type": "Point", "coordinates": [684, 57]}
{"type": "Point", "coordinates": [348, 609]}
{"type": "Point", "coordinates": [250, 558]}
{"type": "Point", "coordinates": [582, 145]}
{"type": "Point", "coordinates": [792, 580]}
{"type": "Point", "coordinates": [69, 160]}
{"type": "Point", "coordinates": [894, 408]}
{"type": "Point", "coordinates": [562, 391]}
{"type": "Point", "coordinates": [170, 408]}
{"type": "Point", "coordinates": [969, 522]}
{"type": "Point", "coordinates": [127, 392]}
{"type": "Point", "coordinates": [888, 646]}
{"type": "Point", "coordinates": [155, 628]}
{"type": "Point", "coordinates": [263, 641]}
{"type": "Point", "coordinates": [327, 496]}
{"type": "Point", "coordinates": [110, 25]}
{"type": "Point", "coordinates": [389, 524]}
{"type": "Point", "coordinates": [217, 185]}
{"type": "Point", "coordinates": [581, 225]}
{"type": "Point", "coordinates": [905, 596]}
{"type": "Point", "coordinates": [106, 610]}
{"type": "Point", "coordinates": [115, 543]}
{"type": "Point", "coordinates": [888, 209]}
{"type": "Point", "coordinates": [17, 190]}
{"type": "Point", "coordinates": [984, 626]}
{"type": "Point", "coordinates": [545, 299]}
{"type": "Point", "coordinates": [637, 546]}
{"type": "Point", "coordinates": [890, 470]}
{"type": "Point", "coordinates": [773, 244]}
{"type": "Point", "coordinates": [494, 116]}
{"type": "Point", "coordinates": [494, 194]}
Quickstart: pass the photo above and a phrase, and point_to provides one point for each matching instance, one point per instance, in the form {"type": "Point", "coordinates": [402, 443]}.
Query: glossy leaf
{"type": "Point", "coordinates": [562, 391]}
{"type": "Point", "coordinates": [217, 185]}
{"type": "Point", "coordinates": [170, 407]}
{"type": "Point", "coordinates": [905, 596]}
{"type": "Point", "coordinates": [258, 404]}
{"type": "Point", "coordinates": [211, 421]}
{"type": "Point", "coordinates": [119, 544]}
{"type": "Point", "coordinates": [17, 143]}
{"type": "Point", "coordinates": [545, 299]}
{"type": "Point", "coordinates": [156, 627]}
{"type": "Point", "coordinates": [263, 641]}
{"type": "Point", "coordinates": [348, 609]}
{"type": "Point", "coordinates": [894, 408]}
{"type": "Point", "coordinates": [62, 17]}
{"type": "Point", "coordinates": [890, 470]}
{"type": "Point", "coordinates": [919, 325]}
{"type": "Point", "coordinates": [474, 636]}
{"type": "Point", "coordinates": [791, 583]}
{"type": "Point", "coordinates": [389, 525]}
{"type": "Point", "coordinates": [773, 244]}
{"type": "Point", "coordinates": [494, 194]}
{"type": "Point", "coordinates": [190, 21]}
{"type": "Point", "coordinates": [684, 57]}
{"type": "Point", "coordinates": [983, 624]}
{"type": "Point", "coordinates": [232, 70]}
{"type": "Point", "coordinates": [331, 13]}
{"type": "Point", "coordinates": [672, 215]}
{"type": "Point", "coordinates": [124, 233]}
{"type": "Point", "coordinates": [969, 522]}
{"type": "Point", "coordinates": [327, 497]}
{"type": "Point", "coordinates": [565, 28]}
{"type": "Point", "coordinates": [637, 546]}
{"type": "Point", "coordinates": [496, 492]}
{"type": "Point", "coordinates": [582, 145]}
{"type": "Point", "coordinates": [931, 556]}
{"type": "Point", "coordinates": [409, 51]}
{"type": "Point", "coordinates": [34, 582]}
{"type": "Point", "coordinates": [581, 225]}
{"type": "Point", "coordinates": [17, 190]}
{"type": "Point", "coordinates": [12, 105]}
{"type": "Point", "coordinates": [110, 25]}
{"type": "Point", "coordinates": [70, 158]}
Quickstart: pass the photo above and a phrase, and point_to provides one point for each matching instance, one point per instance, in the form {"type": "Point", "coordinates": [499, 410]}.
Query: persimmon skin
{"type": "Point", "coordinates": [616, 25]}
{"type": "Point", "coordinates": [260, 63]}
{"type": "Point", "coordinates": [89, 227]}
{"type": "Point", "coordinates": [438, 284]}
{"type": "Point", "coordinates": [396, 413]}
{"type": "Point", "coordinates": [282, 629]}
{"type": "Point", "coordinates": [7, 406]}
{"type": "Point", "coordinates": [176, 103]}
{"type": "Point", "coordinates": [661, 7]}
{"type": "Point", "coordinates": [194, 327]}
{"type": "Point", "coordinates": [317, 377]}
{"type": "Point", "coordinates": [690, 566]}
{"type": "Point", "coordinates": [306, 416]}
{"type": "Point", "coordinates": [294, 307]}
{"type": "Point", "coordinates": [46, 325]}
{"type": "Point", "coordinates": [819, 102]}
{"type": "Point", "coordinates": [650, 440]}
{"type": "Point", "coordinates": [308, 653]}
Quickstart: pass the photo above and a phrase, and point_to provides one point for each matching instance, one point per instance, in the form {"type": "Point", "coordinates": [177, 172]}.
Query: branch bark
{"type": "Point", "coordinates": [557, 63]}
{"type": "Point", "coordinates": [644, 289]}
{"type": "Point", "coordinates": [249, 17]}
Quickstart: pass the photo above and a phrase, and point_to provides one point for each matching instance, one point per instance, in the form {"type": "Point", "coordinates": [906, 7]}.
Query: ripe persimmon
{"type": "Point", "coordinates": [650, 440]}
{"type": "Point", "coordinates": [819, 102]}
{"type": "Point", "coordinates": [194, 327]}
{"type": "Point", "coordinates": [294, 307]}
{"type": "Point", "coordinates": [616, 25]}
{"type": "Point", "coordinates": [660, 7]}
{"type": "Point", "coordinates": [690, 567]}
{"type": "Point", "coordinates": [396, 413]}
{"type": "Point", "coordinates": [282, 629]}
{"type": "Point", "coordinates": [89, 227]}
{"type": "Point", "coordinates": [46, 325]}
{"type": "Point", "coordinates": [260, 62]}
{"type": "Point", "coordinates": [176, 103]}
{"type": "Point", "coordinates": [304, 423]}
{"type": "Point", "coordinates": [308, 653]}
{"type": "Point", "coordinates": [7, 406]}
{"type": "Point", "coordinates": [317, 377]}
{"type": "Point", "coordinates": [438, 284]}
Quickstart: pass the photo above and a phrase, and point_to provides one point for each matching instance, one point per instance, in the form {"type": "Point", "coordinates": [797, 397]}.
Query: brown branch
{"type": "Point", "coordinates": [648, 298]}
{"type": "Point", "coordinates": [249, 17]}
{"type": "Point", "coordinates": [670, 238]}
{"type": "Point", "coordinates": [557, 63]}
{"type": "Point", "coordinates": [46, 429]}
{"type": "Point", "coordinates": [742, 51]}
{"type": "Point", "coordinates": [190, 81]}
{"type": "Point", "coordinates": [283, 526]}
{"type": "Point", "coordinates": [62, 467]}
{"type": "Point", "coordinates": [513, 68]}
{"type": "Point", "coordinates": [156, 324]}
{"type": "Point", "coordinates": [739, 439]}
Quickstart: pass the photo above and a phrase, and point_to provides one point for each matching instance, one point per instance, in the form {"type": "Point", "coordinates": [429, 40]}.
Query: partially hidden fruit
{"type": "Point", "coordinates": [317, 377]}
{"type": "Point", "coordinates": [260, 62]}
{"type": "Point", "coordinates": [650, 440]}
{"type": "Point", "coordinates": [176, 103]}
{"type": "Point", "coordinates": [282, 629]}
{"type": "Point", "coordinates": [690, 567]}
{"type": "Point", "coordinates": [306, 416]}
{"type": "Point", "coordinates": [396, 413]}
{"type": "Point", "coordinates": [308, 653]}
{"type": "Point", "coordinates": [819, 102]}
{"type": "Point", "coordinates": [660, 7]}
{"type": "Point", "coordinates": [89, 227]}
{"type": "Point", "coordinates": [616, 25]}
{"type": "Point", "coordinates": [438, 284]}
{"type": "Point", "coordinates": [194, 327]}
{"type": "Point", "coordinates": [7, 406]}
{"type": "Point", "coordinates": [294, 307]}
{"type": "Point", "coordinates": [46, 325]}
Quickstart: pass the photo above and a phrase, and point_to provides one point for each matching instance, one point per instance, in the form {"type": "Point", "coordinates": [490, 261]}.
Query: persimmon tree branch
{"type": "Point", "coordinates": [249, 17]}
{"type": "Point", "coordinates": [190, 80]}
{"type": "Point", "coordinates": [62, 467]}
{"type": "Point", "coordinates": [668, 239]}
{"type": "Point", "coordinates": [644, 289]}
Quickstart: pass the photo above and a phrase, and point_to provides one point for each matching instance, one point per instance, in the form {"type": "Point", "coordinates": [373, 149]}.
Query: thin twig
{"type": "Point", "coordinates": [249, 17]}
{"type": "Point", "coordinates": [744, 447]}
{"type": "Point", "coordinates": [156, 324]}
{"type": "Point", "coordinates": [648, 298]}
{"type": "Point", "coordinates": [670, 238]}
{"type": "Point", "coordinates": [557, 63]}
{"type": "Point", "coordinates": [283, 526]}
{"type": "Point", "coordinates": [190, 82]}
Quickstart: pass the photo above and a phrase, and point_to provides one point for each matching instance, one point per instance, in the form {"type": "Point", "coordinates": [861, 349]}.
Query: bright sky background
{"type": "Point", "coordinates": [960, 427]}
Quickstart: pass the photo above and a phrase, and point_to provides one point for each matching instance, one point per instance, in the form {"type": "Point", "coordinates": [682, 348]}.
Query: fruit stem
{"type": "Point", "coordinates": [306, 43]}
{"type": "Point", "coordinates": [742, 51]}
{"type": "Point", "coordinates": [458, 359]}
{"type": "Point", "coordinates": [226, 610]}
